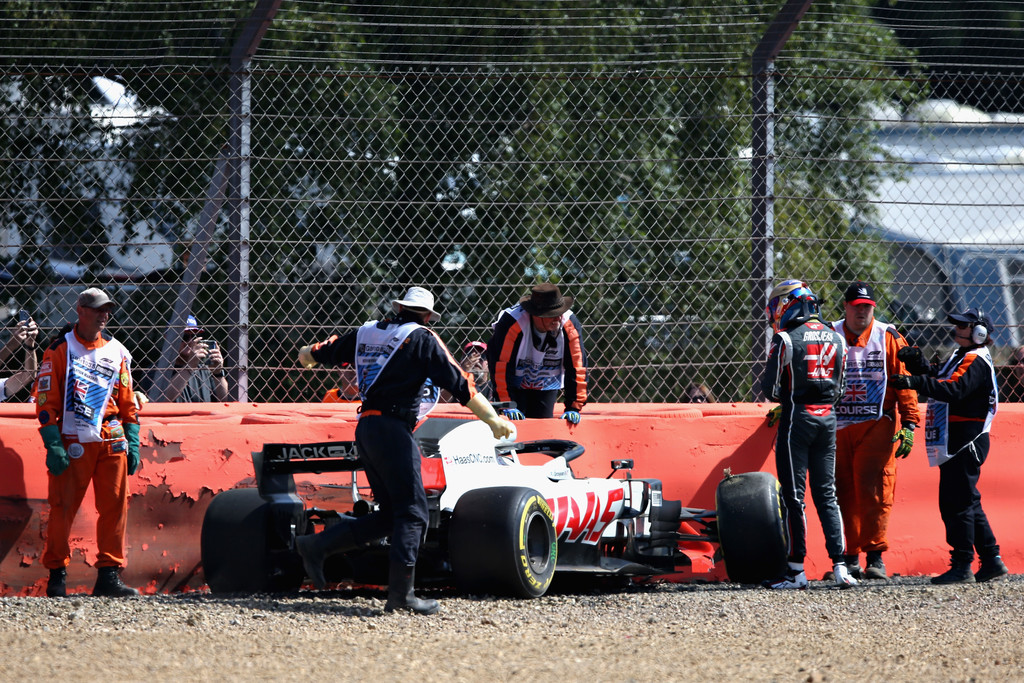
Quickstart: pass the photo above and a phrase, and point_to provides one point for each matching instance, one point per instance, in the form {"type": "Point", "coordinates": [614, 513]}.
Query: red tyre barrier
{"type": "Point", "coordinates": [191, 453]}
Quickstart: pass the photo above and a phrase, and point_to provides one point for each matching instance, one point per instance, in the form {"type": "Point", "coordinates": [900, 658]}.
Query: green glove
{"type": "Point", "coordinates": [131, 433]}
{"type": "Point", "coordinates": [57, 459]}
{"type": "Point", "coordinates": [773, 416]}
{"type": "Point", "coordinates": [906, 438]}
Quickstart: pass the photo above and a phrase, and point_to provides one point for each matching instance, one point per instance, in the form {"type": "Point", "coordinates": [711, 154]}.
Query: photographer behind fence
{"type": "Point", "coordinates": [23, 337]}
{"type": "Point", "coordinates": [199, 369]}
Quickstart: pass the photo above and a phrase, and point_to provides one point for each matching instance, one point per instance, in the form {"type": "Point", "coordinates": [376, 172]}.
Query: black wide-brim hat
{"type": "Point", "coordinates": [546, 301]}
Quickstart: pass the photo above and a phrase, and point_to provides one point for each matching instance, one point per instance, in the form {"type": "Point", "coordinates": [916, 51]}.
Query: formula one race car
{"type": "Point", "coordinates": [497, 526]}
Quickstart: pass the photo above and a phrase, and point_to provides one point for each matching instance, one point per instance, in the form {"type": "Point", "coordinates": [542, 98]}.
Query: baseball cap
{"type": "Point", "coordinates": [192, 325]}
{"type": "Point", "coordinates": [94, 297]}
{"type": "Point", "coordinates": [474, 345]}
{"type": "Point", "coordinates": [971, 316]}
{"type": "Point", "coordinates": [860, 293]}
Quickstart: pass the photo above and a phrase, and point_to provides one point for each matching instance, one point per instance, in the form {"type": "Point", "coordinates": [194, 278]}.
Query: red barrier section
{"type": "Point", "coordinates": [191, 452]}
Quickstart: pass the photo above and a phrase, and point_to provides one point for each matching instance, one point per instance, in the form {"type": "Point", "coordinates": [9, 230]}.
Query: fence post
{"type": "Point", "coordinates": [239, 127]}
{"type": "Point", "coordinates": [190, 280]}
{"type": "Point", "coordinates": [762, 236]}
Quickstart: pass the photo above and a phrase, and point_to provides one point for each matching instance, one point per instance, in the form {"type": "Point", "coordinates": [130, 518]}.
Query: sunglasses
{"type": "Point", "coordinates": [962, 326]}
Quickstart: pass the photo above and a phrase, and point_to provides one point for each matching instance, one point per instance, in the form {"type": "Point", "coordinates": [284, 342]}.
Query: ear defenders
{"type": "Point", "coordinates": [979, 333]}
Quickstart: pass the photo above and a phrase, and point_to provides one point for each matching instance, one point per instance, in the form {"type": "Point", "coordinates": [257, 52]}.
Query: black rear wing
{"type": "Point", "coordinates": [277, 462]}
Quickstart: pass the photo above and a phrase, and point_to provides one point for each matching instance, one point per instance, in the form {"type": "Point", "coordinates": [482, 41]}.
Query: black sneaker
{"type": "Point", "coordinates": [876, 568]}
{"type": "Point", "coordinates": [990, 569]}
{"type": "Point", "coordinates": [57, 586]}
{"type": "Point", "coordinates": [958, 572]}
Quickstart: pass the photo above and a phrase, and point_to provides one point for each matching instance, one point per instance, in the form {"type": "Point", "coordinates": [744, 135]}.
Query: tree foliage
{"type": "Point", "coordinates": [387, 137]}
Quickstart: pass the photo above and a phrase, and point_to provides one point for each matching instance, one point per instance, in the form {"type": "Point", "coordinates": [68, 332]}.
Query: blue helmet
{"type": "Point", "coordinates": [791, 303]}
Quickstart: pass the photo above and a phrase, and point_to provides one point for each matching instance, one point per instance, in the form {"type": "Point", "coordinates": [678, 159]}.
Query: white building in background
{"type": "Point", "coordinates": [134, 249]}
{"type": "Point", "coordinates": [957, 218]}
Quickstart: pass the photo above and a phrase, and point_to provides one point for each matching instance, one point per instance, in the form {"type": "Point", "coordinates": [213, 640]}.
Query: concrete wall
{"type": "Point", "coordinates": [191, 452]}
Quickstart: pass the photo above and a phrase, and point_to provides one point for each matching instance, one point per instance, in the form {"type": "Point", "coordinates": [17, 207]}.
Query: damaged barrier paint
{"type": "Point", "coordinates": [190, 452]}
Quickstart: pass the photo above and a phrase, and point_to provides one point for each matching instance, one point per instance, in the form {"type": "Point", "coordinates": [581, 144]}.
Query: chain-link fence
{"type": "Point", "coordinates": [284, 185]}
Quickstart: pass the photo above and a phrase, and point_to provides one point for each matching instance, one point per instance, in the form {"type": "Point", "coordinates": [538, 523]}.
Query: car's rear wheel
{"type": "Point", "coordinates": [751, 528]}
{"type": "Point", "coordinates": [233, 543]}
{"type": "Point", "coordinates": [502, 541]}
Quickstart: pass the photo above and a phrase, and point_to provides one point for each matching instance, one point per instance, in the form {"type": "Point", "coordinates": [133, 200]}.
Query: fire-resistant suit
{"type": "Point", "coordinates": [805, 374]}
{"type": "Point", "coordinates": [84, 389]}
{"type": "Point", "coordinates": [866, 425]}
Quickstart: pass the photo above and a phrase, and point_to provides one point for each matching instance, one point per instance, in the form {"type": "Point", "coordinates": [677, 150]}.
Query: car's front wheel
{"type": "Point", "coordinates": [751, 529]}
{"type": "Point", "coordinates": [502, 541]}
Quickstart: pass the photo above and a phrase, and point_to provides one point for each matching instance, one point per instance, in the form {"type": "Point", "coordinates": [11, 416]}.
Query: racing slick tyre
{"type": "Point", "coordinates": [751, 528]}
{"type": "Point", "coordinates": [502, 541]}
{"type": "Point", "coordinates": [233, 543]}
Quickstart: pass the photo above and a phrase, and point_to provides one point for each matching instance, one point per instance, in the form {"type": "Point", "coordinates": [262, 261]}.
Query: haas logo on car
{"type": "Point", "coordinates": [584, 518]}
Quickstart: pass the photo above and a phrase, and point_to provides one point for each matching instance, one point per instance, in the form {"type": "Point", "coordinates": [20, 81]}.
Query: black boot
{"type": "Point", "coordinates": [959, 572]}
{"type": "Point", "coordinates": [400, 592]}
{"type": "Point", "coordinates": [314, 549]}
{"type": "Point", "coordinates": [57, 586]}
{"type": "Point", "coordinates": [109, 584]}
{"type": "Point", "coordinates": [991, 568]}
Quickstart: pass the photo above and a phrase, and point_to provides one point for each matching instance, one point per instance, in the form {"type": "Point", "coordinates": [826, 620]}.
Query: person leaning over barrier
{"type": "Point", "coordinates": [535, 351]}
{"type": "Point", "coordinates": [805, 374]}
{"type": "Point", "coordinates": [23, 337]}
{"type": "Point", "coordinates": [401, 364]}
{"type": "Point", "coordinates": [89, 425]}
{"type": "Point", "coordinates": [963, 397]}
{"type": "Point", "coordinates": [867, 432]}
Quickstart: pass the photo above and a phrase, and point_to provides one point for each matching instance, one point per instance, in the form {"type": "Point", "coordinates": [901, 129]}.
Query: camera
{"type": "Point", "coordinates": [211, 344]}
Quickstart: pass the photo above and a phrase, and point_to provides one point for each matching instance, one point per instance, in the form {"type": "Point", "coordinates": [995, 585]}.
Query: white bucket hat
{"type": "Point", "coordinates": [417, 297]}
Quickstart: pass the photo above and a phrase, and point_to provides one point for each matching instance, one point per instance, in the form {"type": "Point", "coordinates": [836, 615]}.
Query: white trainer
{"type": "Point", "coordinates": [787, 581]}
{"type": "Point", "coordinates": [842, 574]}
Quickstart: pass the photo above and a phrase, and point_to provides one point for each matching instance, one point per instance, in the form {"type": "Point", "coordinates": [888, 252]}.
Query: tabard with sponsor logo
{"type": "Point", "coordinates": [92, 376]}
{"type": "Point", "coordinates": [865, 378]}
{"type": "Point", "coordinates": [536, 368]}
{"type": "Point", "coordinates": [936, 425]}
{"type": "Point", "coordinates": [375, 347]}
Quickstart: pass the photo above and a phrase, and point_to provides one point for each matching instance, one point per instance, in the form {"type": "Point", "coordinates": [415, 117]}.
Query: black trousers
{"type": "Point", "coordinates": [391, 458]}
{"type": "Point", "coordinates": [805, 448]}
{"type": "Point", "coordinates": [535, 402]}
{"type": "Point", "coordinates": [967, 527]}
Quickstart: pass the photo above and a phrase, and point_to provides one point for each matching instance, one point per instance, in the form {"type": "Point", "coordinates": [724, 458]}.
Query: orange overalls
{"type": "Point", "coordinates": [104, 463]}
{"type": "Point", "coordinates": [865, 458]}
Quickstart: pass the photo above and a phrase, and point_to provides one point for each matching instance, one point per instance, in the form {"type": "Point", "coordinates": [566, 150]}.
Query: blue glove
{"type": "Point", "coordinates": [573, 416]}
{"type": "Point", "coordinates": [131, 433]}
{"type": "Point", "coordinates": [57, 459]}
{"type": "Point", "coordinates": [513, 414]}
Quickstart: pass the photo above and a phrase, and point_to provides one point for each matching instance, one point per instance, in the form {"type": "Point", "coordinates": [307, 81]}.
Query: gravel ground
{"type": "Point", "coordinates": [907, 630]}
